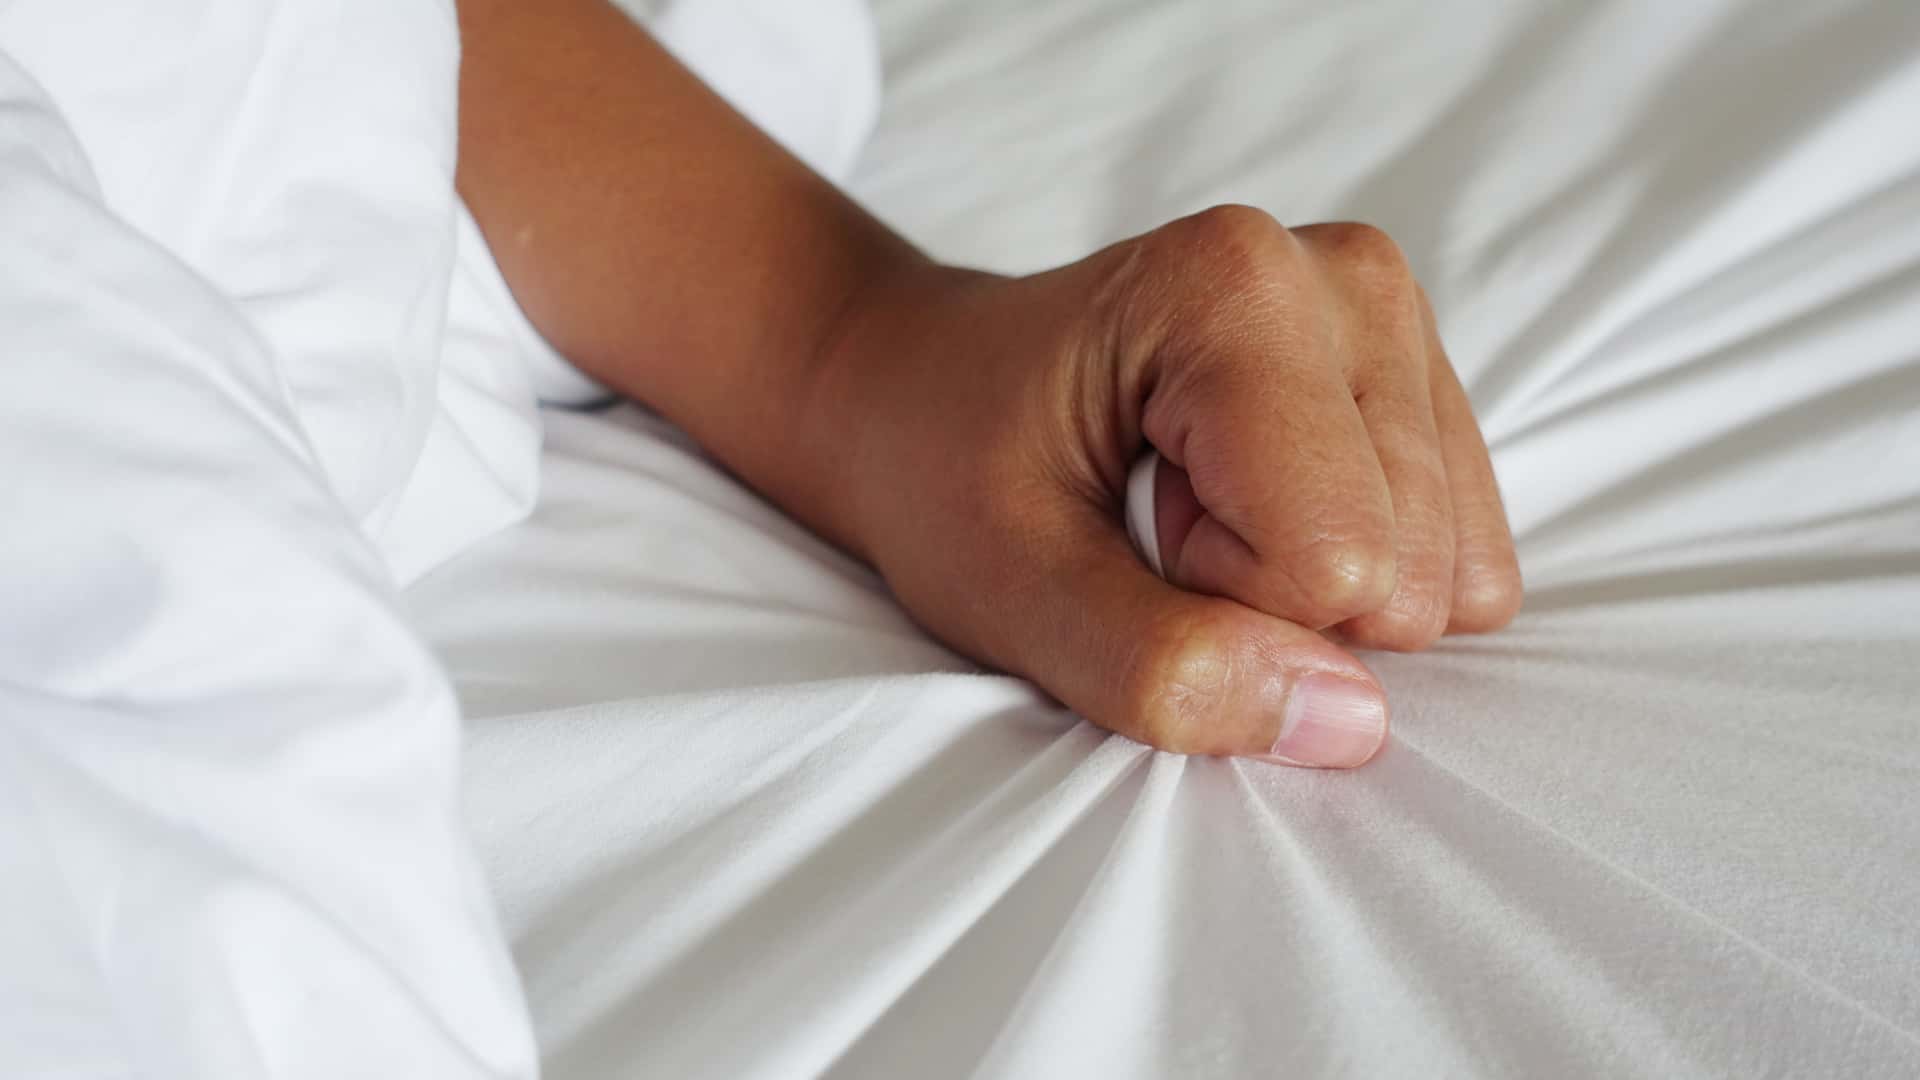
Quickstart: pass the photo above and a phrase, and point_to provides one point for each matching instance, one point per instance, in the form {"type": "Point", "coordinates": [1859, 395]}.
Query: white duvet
{"type": "Point", "coordinates": [243, 326]}
{"type": "Point", "coordinates": [737, 816]}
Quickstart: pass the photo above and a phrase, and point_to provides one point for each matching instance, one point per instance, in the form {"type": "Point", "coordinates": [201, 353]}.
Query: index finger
{"type": "Point", "coordinates": [1296, 519]}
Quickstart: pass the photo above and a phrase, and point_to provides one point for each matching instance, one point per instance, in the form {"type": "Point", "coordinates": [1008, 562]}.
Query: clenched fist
{"type": "Point", "coordinates": [1323, 481]}
{"type": "Point", "coordinates": [971, 435]}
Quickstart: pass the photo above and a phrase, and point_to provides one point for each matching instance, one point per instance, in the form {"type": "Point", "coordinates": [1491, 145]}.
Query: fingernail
{"type": "Point", "coordinates": [1331, 723]}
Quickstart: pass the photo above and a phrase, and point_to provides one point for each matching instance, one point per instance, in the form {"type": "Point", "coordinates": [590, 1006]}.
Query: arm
{"type": "Point", "coordinates": [660, 241]}
{"type": "Point", "coordinates": [970, 435]}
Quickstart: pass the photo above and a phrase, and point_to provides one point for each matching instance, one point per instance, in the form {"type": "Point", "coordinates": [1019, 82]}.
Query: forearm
{"type": "Point", "coordinates": [660, 241]}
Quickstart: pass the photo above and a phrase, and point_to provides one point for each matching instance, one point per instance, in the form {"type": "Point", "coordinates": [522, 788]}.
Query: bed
{"type": "Point", "coordinates": [742, 819]}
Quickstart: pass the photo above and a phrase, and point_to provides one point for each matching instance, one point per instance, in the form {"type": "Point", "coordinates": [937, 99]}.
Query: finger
{"type": "Point", "coordinates": [1168, 502]}
{"type": "Point", "coordinates": [1182, 671]}
{"type": "Point", "coordinates": [1369, 296]}
{"type": "Point", "coordinates": [1175, 509]}
{"type": "Point", "coordinates": [1395, 400]}
{"type": "Point", "coordinates": [1486, 573]}
{"type": "Point", "coordinates": [1296, 516]}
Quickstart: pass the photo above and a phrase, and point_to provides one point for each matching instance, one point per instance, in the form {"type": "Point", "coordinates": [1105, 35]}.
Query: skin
{"type": "Point", "coordinates": [969, 435]}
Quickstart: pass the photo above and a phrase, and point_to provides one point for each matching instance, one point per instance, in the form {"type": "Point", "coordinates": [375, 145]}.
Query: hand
{"type": "Point", "coordinates": [971, 435]}
{"type": "Point", "coordinates": [1324, 478]}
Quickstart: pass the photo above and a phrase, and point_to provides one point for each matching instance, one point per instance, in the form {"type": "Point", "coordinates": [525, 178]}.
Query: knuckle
{"type": "Point", "coordinates": [1183, 673]}
{"type": "Point", "coordinates": [1487, 600]}
{"type": "Point", "coordinates": [1412, 621]}
{"type": "Point", "coordinates": [1367, 252]}
{"type": "Point", "coordinates": [1236, 248]}
{"type": "Point", "coordinates": [1339, 579]}
{"type": "Point", "coordinates": [1196, 273]}
{"type": "Point", "coordinates": [1222, 274]}
{"type": "Point", "coordinates": [1360, 244]}
{"type": "Point", "coordinates": [1232, 226]}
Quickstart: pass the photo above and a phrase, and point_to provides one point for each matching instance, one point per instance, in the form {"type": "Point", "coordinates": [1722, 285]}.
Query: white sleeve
{"type": "Point", "coordinates": [229, 837]}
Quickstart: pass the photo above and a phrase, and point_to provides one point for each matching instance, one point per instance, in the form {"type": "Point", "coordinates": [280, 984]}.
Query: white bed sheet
{"type": "Point", "coordinates": [741, 819]}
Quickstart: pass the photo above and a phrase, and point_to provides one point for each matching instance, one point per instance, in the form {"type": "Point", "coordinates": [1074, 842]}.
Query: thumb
{"type": "Point", "coordinates": [1186, 672]}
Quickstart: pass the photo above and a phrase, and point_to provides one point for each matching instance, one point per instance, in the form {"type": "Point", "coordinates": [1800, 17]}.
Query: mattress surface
{"type": "Point", "coordinates": [743, 819]}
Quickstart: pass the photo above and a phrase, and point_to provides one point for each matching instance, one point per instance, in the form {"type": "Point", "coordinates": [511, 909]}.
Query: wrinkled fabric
{"type": "Point", "coordinates": [255, 371]}
{"type": "Point", "coordinates": [257, 367]}
{"type": "Point", "coordinates": [743, 819]}
{"type": "Point", "coordinates": [227, 766]}
{"type": "Point", "coordinates": [299, 158]}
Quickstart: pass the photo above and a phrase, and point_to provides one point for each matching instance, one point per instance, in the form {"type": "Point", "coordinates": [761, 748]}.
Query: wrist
{"type": "Point", "coordinates": [862, 410]}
